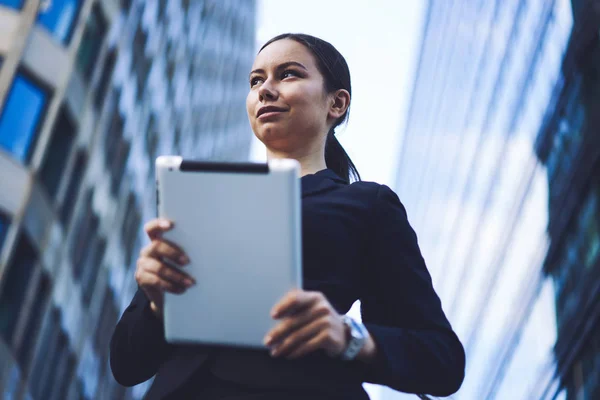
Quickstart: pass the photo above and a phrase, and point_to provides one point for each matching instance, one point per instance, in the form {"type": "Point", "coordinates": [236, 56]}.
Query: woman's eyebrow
{"type": "Point", "coordinates": [279, 67]}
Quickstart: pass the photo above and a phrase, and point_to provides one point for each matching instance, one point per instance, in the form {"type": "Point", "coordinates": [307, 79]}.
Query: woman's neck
{"type": "Point", "coordinates": [309, 163]}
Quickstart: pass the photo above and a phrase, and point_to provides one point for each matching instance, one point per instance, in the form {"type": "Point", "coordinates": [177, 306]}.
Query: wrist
{"type": "Point", "coordinates": [368, 351]}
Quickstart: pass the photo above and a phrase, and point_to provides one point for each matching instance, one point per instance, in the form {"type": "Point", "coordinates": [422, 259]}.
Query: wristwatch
{"type": "Point", "coordinates": [357, 338]}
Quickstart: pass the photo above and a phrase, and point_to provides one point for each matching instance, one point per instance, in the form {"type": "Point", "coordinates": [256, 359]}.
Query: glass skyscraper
{"type": "Point", "coordinates": [476, 191]}
{"type": "Point", "coordinates": [569, 146]}
{"type": "Point", "coordinates": [91, 91]}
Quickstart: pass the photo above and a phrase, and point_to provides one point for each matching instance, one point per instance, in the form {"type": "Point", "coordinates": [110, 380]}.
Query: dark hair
{"type": "Point", "coordinates": [335, 71]}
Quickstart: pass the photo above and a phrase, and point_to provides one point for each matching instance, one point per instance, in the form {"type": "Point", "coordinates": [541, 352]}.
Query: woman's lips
{"type": "Point", "coordinates": [269, 115]}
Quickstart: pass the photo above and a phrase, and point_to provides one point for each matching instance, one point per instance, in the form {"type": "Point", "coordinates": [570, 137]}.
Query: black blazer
{"type": "Point", "coordinates": [357, 244]}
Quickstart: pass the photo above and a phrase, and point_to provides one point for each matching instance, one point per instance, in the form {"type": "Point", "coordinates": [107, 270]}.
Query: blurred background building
{"type": "Point", "coordinates": [499, 172]}
{"type": "Point", "coordinates": [91, 91]}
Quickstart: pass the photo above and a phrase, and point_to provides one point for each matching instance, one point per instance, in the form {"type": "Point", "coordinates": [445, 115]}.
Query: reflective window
{"type": "Point", "coordinates": [21, 117]}
{"type": "Point", "coordinates": [57, 154]}
{"type": "Point", "coordinates": [85, 229]}
{"type": "Point", "coordinates": [4, 223]}
{"type": "Point", "coordinates": [106, 324]}
{"type": "Point", "coordinates": [16, 282]}
{"type": "Point", "coordinates": [93, 36]}
{"type": "Point", "coordinates": [59, 18]}
{"type": "Point", "coordinates": [93, 263]}
{"type": "Point", "coordinates": [73, 189]}
{"type": "Point", "coordinates": [18, 4]}
{"type": "Point", "coordinates": [116, 149]}
{"type": "Point", "coordinates": [130, 227]}
{"type": "Point", "coordinates": [105, 79]}
{"type": "Point", "coordinates": [34, 322]}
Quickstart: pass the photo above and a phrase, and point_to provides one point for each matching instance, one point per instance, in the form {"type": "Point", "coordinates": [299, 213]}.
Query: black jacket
{"type": "Point", "coordinates": [357, 244]}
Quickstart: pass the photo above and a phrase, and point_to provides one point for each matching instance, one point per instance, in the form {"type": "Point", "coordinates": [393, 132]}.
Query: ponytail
{"type": "Point", "coordinates": [338, 160]}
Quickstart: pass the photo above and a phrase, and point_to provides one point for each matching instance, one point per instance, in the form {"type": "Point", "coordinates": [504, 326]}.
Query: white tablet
{"type": "Point", "coordinates": [240, 225]}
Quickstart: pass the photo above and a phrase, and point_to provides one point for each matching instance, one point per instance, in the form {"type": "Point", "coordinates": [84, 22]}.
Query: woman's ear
{"type": "Point", "coordinates": [340, 101]}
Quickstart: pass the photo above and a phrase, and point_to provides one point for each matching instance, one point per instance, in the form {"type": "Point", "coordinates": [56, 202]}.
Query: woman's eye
{"type": "Point", "coordinates": [254, 81]}
{"type": "Point", "coordinates": [288, 73]}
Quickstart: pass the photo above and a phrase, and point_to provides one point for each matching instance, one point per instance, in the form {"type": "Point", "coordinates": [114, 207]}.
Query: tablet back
{"type": "Point", "coordinates": [240, 225]}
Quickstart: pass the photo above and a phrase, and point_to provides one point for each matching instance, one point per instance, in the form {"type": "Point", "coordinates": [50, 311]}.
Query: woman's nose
{"type": "Point", "coordinates": [267, 92]}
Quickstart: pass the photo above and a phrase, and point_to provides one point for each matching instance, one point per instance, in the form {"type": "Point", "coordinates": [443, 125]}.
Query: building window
{"type": "Point", "coordinates": [4, 224]}
{"type": "Point", "coordinates": [53, 167]}
{"type": "Point", "coordinates": [17, 4]}
{"type": "Point", "coordinates": [106, 324]}
{"type": "Point", "coordinates": [130, 227]}
{"type": "Point", "coordinates": [59, 18]}
{"type": "Point", "coordinates": [116, 150]}
{"type": "Point", "coordinates": [105, 79]}
{"type": "Point", "coordinates": [15, 285]}
{"type": "Point", "coordinates": [93, 36]}
{"type": "Point", "coordinates": [23, 110]}
{"type": "Point", "coordinates": [140, 64]}
{"type": "Point", "coordinates": [84, 233]}
{"type": "Point", "coordinates": [70, 198]}
{"type": "Point", "coordinates": [42, 367]}
{"type": "Point", "coordinates": [92, 264]}
{"type": "Point", "coordinates": [152, 143]}
{"type": "Point", "coordinates": [34, 322]}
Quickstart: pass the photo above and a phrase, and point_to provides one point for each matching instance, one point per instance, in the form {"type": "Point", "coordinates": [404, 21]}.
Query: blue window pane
{"type": "Point", "coordinates": [21, 116]}
{"type": "Point", "coordinates": [60, 18]}
{"type": "Point", "coordinates": [18, 4]}
{"type": "Point", "coordinates": [4, 222]}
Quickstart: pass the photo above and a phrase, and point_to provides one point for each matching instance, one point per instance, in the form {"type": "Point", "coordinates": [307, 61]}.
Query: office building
{"type": "Point", "coordinates": [473, 186]}
{"type": "Point", "coordinates": [569, 146]}
{"type": "Point", "coordinates": [91, 91]}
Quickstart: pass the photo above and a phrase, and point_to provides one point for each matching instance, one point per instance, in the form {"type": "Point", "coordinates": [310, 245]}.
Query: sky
{"type": "Point", "coordinates": [380, 40]}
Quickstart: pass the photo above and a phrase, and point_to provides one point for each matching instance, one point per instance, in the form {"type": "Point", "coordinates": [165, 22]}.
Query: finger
{"type": "Point", "coordinates": [295, 301]}
{"type": "Point", "coordinates": [160, 249]}
{"type": "Point", "coordinates": [154, 228]}
{"type": "Point", "coordinates": [310, 346]}
{"type": "Point", "coordinates": [300, 337]}
{"type": "Point", "coordinates": [153, 281]}
{"type": "Point", "coordinates": [167, 272]}
{"type": "Point", "coordinates": [290, 324]}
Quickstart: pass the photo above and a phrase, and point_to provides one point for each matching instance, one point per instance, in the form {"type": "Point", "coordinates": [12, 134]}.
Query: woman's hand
{"type": "Point", "coordinates": [308, 323]}
{"type": "Point", "coordinates": [153, 274]}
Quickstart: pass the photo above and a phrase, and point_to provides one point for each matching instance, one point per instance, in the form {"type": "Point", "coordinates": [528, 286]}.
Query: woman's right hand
{"type": "Point", "coordinates": [153, 274]}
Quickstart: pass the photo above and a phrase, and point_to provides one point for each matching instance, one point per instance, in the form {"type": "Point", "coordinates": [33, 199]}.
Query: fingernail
{"type": "Point", "coordinates": [165, 224]}
{"type": "Point", "coordinates": [183, 260]}
{"type": "Point", "coordinates": [188, 282]}
{"type": "Point", "coordinates": [273, 351]}
{"type": "Point", "coordinates": [268, 340]}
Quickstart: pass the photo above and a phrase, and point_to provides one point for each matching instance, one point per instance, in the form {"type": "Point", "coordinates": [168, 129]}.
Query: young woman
{"type": "Point", "coordinates": [357, 245]}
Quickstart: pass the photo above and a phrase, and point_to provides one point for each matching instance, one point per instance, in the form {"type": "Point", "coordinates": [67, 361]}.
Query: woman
{"type": "Point", "coordinates": [357, 244]}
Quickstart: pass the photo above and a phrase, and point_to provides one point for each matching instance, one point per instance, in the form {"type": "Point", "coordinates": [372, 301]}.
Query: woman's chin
{"type": "Point", "coordinates": [270, 134]}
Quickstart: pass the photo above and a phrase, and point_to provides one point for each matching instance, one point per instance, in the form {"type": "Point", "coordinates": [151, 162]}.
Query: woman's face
{"type": "Point", "coordinates": [287, 104]}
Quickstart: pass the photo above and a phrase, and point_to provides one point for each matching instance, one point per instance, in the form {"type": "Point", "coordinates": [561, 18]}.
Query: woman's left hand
{"type": "Point", "coordinates": [308, 323]}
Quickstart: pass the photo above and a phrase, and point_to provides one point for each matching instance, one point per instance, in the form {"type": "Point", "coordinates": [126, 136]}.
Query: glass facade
{"type": "Point", "coordinates": [93, 36]}
{"type": "Point", "coordinates": [21, 116]}
{"type": "Point", "coordinates": [59, 18]}
{"type": "Point", "coordinates": [4, 224]}
{"type": "Point", "coordinates": [570, 148]}
{"type": "Point", "coordinates": [474, 188]}
{"type": "Point", "coordinates": [61, 143]}
{"type": "Point", "coordinates": [80, 154]}
{"type": "Point", "coordinates": [12, 3]}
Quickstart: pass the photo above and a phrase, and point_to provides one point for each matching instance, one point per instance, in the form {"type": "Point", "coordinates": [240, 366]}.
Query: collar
{"type": "Point", "coordinates": [319, 181]}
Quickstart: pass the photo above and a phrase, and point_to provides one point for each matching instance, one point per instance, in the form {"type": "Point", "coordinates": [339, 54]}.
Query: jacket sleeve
{"type": "Point", "coordinates": [138, 346]}
{"type": "Point", "coordinates": [418, 352]}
